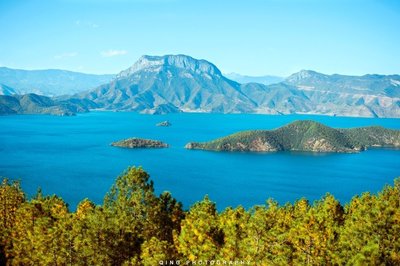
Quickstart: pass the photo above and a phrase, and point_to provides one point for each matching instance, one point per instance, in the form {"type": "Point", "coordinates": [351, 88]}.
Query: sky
{"type": "Point", "coordinates": [251, 37]}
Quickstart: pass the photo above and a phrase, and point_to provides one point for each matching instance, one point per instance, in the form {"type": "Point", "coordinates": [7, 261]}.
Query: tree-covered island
{"type": "Point", "coordinates": [308, 136]}
{"type": "Point", "coordinates": [139, 143]}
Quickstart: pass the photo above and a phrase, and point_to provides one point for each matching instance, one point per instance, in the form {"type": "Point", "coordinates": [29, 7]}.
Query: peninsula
{"type": "Point", "coordinates": [307, 136]}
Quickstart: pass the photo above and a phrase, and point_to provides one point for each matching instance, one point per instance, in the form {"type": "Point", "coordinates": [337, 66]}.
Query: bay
{"type": "Point", "coordinates": [72, 157]}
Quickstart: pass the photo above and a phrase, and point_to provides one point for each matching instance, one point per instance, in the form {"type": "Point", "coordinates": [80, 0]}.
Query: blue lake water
{"type": "Point", "coordinates": [72, 157]}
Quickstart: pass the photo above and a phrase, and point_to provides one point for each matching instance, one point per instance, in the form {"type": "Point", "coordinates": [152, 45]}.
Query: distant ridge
{"type": "Point", "coordinates": [37, 104]}
{"type": "Point", "coordinates": [50, 82]}
{"type": "Point", "coordinates": [384, 85]}
{"type": "Point", "coordinates": [5, 90]}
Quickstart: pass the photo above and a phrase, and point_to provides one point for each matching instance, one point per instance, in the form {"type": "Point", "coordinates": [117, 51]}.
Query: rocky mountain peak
{"type": "Point", "coordinates": [302, 75]}
{"type": "Point", "coordinates": [157, 63]}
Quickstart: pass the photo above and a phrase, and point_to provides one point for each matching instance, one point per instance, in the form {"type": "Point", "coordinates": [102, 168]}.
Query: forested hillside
{"type": "Point", "coordinates": [37, 104]}
{"type": "Point", "coordinates": [304, 135]}
{"type": "Point", "coordinates": [134, 226]}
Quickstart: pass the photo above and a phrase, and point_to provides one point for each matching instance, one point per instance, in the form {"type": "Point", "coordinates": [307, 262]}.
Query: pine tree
{"type": "Point", "coordinates": [37, 237]}
{"type": "Point", "coordinates": [201, 237]}
{"type": "Point", "coordinates": [154, 251]}
{"type": "Point", "coordinates": [11, 198]}
{"type": "Point", "coordinates": [371, 232]}
{"type": "Point", "coordinates": [233, 223]}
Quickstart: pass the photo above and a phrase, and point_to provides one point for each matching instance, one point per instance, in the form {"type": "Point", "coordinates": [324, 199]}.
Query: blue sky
{"type": "Point", "coordinates": [253, 37]}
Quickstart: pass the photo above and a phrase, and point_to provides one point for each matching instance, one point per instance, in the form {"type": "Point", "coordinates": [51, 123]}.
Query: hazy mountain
{"type": "Point", "coordinates": [277, 98]}
{"type": "Point", "coordinates": [368, 84]}
{"type": "Point", "coordinates": [37, 104]}
{"type": "Point", "coordinates": [368, 95]}
{"type": "Point", "coordinates": [5, 90]}
{"type": "Point", "coordinates": [172, 83]}
{"type": "Point", "coordinates": [50, 82]}
{"type": "Point", "coordinates": [266, 80]}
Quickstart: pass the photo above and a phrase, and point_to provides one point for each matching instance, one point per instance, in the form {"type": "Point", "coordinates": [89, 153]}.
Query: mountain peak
{"type": "Point", "coordinates": [303, 74]}
{"type": "Point", "coordinates": [156, 63]}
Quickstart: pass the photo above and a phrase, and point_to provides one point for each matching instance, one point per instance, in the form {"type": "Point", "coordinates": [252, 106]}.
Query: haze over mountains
{"type": "Point", "coordinates": [5, 90]}
{"type": "Point", "coordinates": [51, 82]}
{"type": "Point", "coordinates": [266, 80]}
{"type": "Point", "coordinates": [368, 84]}
{"type": "Point", "coordinates": [368, 95]}
{"type": "Point", "coordinates": [180, 83]}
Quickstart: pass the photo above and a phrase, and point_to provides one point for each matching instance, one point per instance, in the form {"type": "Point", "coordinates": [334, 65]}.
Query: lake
{"type": "Point", "coordinates": [72, 157]}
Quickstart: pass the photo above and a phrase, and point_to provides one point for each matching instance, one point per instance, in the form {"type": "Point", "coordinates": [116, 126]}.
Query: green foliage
{"type": "Point", "coordinates": [136, 227]}
{"type": "Point", "coordinates": [371, 232]}
{"type": "Point", "coordinates": [11, 199]}
{"type": "Point", "coordinates": [155, 250]}
{"type": "Point", "coordinates": [40, 232]}
{"type": "Point", "coordinates": [233, 223]}
{"type": "Point", "coordinates": [374, 136]}
{"type": "Point", "coordinates": [201, 237]}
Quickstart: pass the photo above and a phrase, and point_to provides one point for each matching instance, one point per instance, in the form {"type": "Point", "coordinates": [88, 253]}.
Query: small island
{"type": "Point", "coordinates": [306, 136]}
{"type": "Point", "coordinates": [164, 124]}
{"type": "Point", "coordinates": [133, 143]}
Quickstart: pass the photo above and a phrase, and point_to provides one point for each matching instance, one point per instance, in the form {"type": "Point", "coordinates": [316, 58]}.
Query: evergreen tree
{"type": "Point", "coordinates": [371, 232]}
{"type": "Point", "coordinates": [154, 251]}
{"type": "Point", "coordinates": [37, 237]}
{"type": "Point", "coordinates": [11, 198]}
{"type": "Point", "coordinates": [201, 237]}
{"type": "Point", "coordinates": [233, 223]}
{"type": "Point", "coordinates": [266, 242]}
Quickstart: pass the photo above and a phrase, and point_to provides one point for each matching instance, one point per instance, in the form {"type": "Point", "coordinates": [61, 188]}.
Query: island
{"type": "Point", "coordinates": [133, 143]}
{"type": "Point", "coordinates": [307, 136]}
{"type": "Point", "coordinates": [164, 124]}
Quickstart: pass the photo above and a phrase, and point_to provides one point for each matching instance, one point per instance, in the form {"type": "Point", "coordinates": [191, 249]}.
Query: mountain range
{"type": "Point", "coordinates": [50, 82]}
{"type": "Point", "coordinates": [180, 83]}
